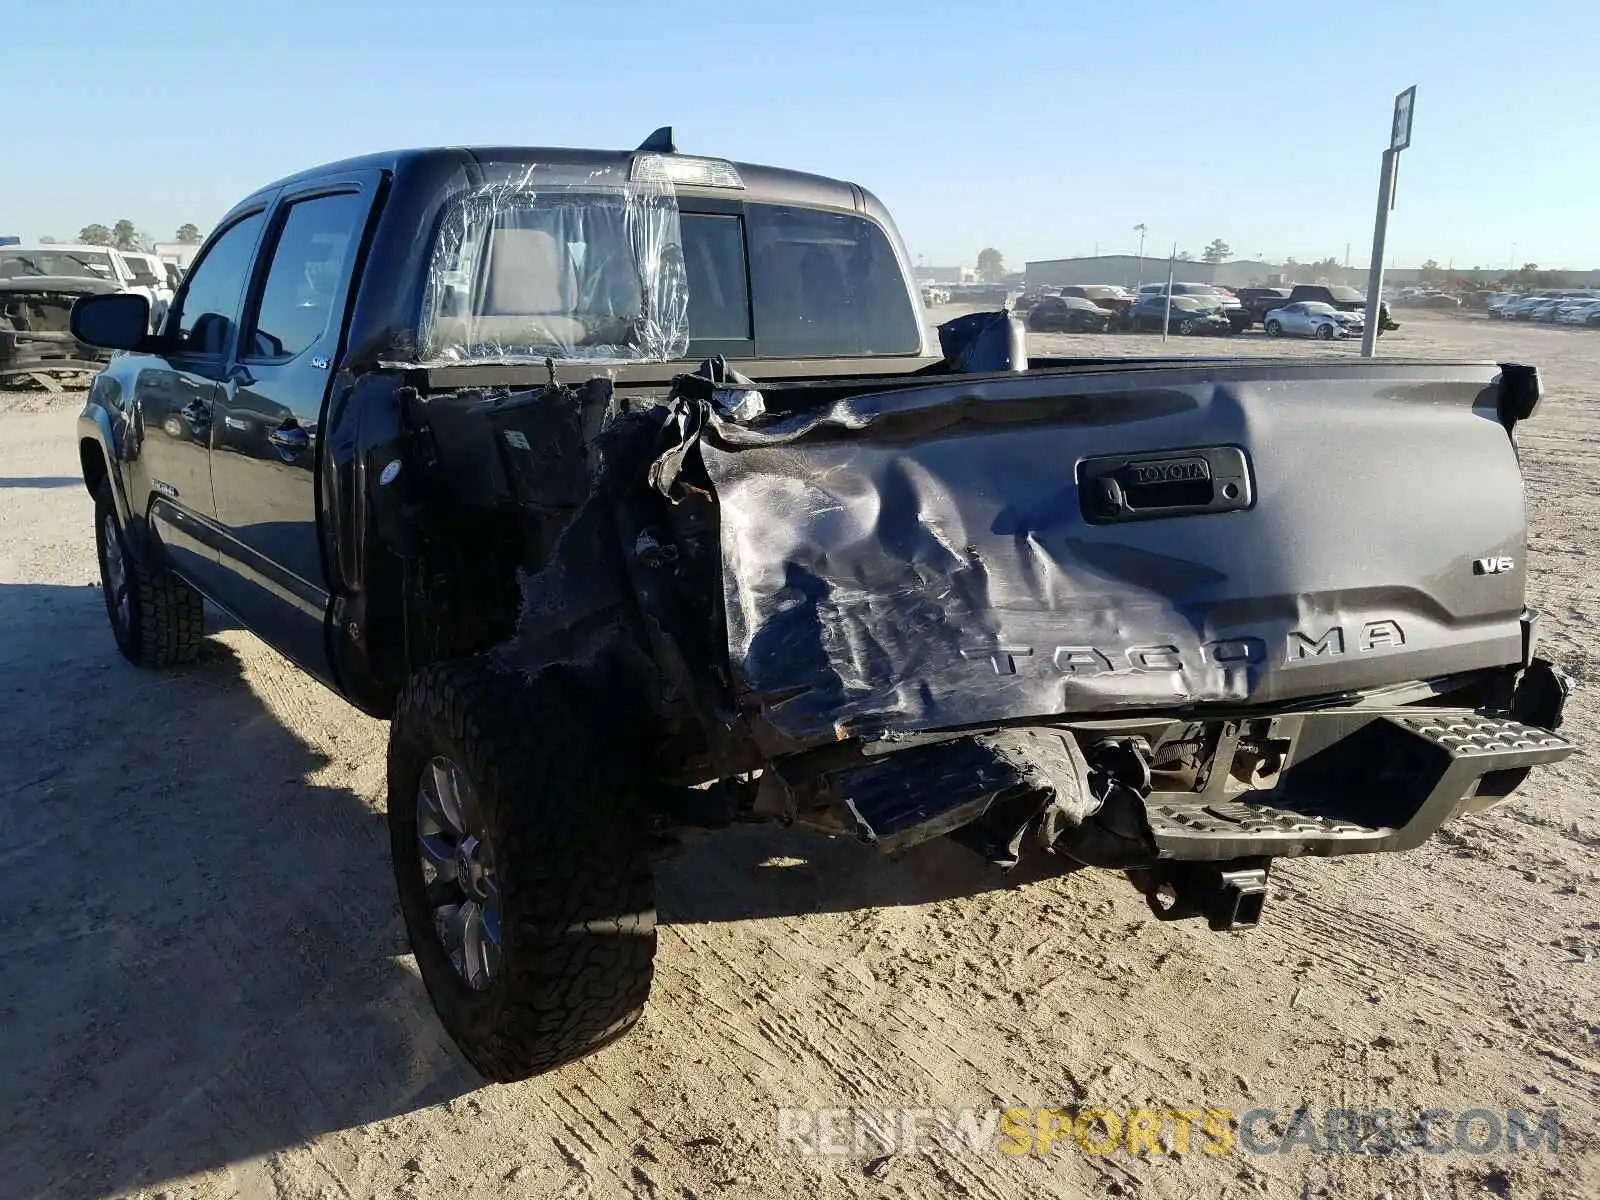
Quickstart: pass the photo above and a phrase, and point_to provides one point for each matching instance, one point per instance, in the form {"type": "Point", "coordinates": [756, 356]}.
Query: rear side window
{"type": "Point", "coordinates": [204, 316]}
{"type": "Point", "coordinates": [142, 275]}
{"type": "Point", "coordinates": [826, 285]}
{"type": "Point", "coordinates": [306, 277]}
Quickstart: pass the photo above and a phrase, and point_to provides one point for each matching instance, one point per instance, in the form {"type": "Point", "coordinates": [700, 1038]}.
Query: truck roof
{"type": "Point", "coordinates": [761, 183]}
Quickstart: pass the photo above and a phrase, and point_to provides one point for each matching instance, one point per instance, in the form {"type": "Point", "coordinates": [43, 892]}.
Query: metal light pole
{"type": "Point", "coordinates": [1399, 139]}
{"type": "Point", "coordinates": [1140, 230]}
{"type": "Point", "coordinates": [1172, 270]}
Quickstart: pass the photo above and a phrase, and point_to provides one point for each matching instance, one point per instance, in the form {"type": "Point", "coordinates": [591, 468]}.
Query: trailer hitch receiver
{"type": "Point", "coordinates": [1228, 895]}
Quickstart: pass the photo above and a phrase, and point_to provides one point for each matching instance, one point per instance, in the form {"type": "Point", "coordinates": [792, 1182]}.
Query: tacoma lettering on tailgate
{"type": "Point", "coordinates": [1370, 636]}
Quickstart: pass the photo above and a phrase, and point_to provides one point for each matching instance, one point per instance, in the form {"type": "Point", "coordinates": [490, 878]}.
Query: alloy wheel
{"type": "Point", "coordinates": [116, 574]}
{"type": "Point", "coordinates": [458, 871]}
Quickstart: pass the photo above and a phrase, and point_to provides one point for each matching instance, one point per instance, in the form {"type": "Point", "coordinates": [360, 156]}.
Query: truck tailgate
{"type": "Point", "coordinates": [976, 550]}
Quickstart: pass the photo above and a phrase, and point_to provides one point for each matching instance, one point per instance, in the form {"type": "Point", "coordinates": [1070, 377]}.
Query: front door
{"type": "Point", "coordinates": [264, 434]}
{"type": "Point", "coordinates": [173, 399]}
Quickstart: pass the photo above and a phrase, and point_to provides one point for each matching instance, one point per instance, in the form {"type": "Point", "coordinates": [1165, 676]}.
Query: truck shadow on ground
{"type": "Point", "coordinates": [768, 871]}
{"type": "Point", "coordinates": [39, 481]}
{"type": "Point", "coordinates": [202, 955]}
{"type": "Point", "coordinates": [202, 960]}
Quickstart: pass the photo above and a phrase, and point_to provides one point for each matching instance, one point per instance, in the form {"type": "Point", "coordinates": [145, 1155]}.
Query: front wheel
{"type": "Point", "coordinates": [521, 862]}
{"type": "Point", "coordinates": [1325, 333]}
{"type": "Point", "coordinates": [158, 620]}
{"type": "Point", "coordinates": [1274, 329]}
{"type": "Point", "coordinates": [1185, 328]}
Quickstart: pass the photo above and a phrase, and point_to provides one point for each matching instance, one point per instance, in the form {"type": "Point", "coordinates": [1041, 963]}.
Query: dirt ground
{"type": "Point", "coordinates": [205, 990]}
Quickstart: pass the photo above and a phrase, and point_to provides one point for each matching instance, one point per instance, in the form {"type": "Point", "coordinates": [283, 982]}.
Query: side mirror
{"type": "Point", "coordinates": [120, 321]}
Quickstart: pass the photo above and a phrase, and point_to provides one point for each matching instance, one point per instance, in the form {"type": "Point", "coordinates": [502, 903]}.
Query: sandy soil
{"type": "Point", "coordinates": [205, 991]}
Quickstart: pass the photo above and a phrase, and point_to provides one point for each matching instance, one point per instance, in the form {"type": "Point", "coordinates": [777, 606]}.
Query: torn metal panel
{"type": "Point", "coordinates": [576, 264]}
{"type": "Point", "coordinates": [900, 800]}
{"type": "Point", "coordinates": [925, 558]}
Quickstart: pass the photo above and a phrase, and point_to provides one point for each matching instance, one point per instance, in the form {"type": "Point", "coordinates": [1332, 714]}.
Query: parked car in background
{"type": "Point", "coordinates": [1259, 301]}
{"type": "Point", "coordinates": [1579, 312]}
{"type": "Point", "coordinates": [68, 260]}
{"type": "Point", "coordinates": [1520, 308]}
{"type": "Point", "coordinates": [1224, 301]}
{"type": "Point", "coordinates": [1442, 301]}
{"type": "Point", "coordinates": [1114, 299]}
{"type": "Point", "coordinates": [38, 287]}
{"type": "Point", "coordinates": [1312, 318]}
{"type": "Point", "coordinates": [150, 275]}
{"type": "Point", "coordinates": [1345, 299]}
{"type": "Point", "coordinates": [1068, 314]}
{"type": "Point", "coordinates": [979, 293]}
{"type": "Point", "coordinates": [1190, 314]}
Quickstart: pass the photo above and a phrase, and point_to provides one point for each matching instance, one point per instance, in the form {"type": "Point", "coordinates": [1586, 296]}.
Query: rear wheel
{"type": "Point", "coordinates": [521, 863]}
{"type": "Point", "coordinates": [157, 619]}
{"type": "Point", "coordinates": [1274, 329]}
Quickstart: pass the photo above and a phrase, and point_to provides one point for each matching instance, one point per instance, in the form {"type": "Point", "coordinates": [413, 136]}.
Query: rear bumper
{"type": "Point", "coordinates": [1318, 782]}
{"type": "Point", "coordinates": [1393, 779]}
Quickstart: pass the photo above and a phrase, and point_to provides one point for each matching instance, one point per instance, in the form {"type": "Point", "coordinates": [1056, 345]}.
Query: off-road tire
{"type": "Point", "coordinates": [570, 847]}
{"type": "Point", "coordinates": [165, 622]}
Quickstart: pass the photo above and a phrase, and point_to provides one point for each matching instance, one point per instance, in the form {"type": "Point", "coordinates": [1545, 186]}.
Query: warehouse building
{"type": "Point", "coordinates": [1130, 270]}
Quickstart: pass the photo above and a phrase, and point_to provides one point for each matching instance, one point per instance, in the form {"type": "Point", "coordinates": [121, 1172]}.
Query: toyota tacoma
{"type": "Point", "coordinates": [633, 489]}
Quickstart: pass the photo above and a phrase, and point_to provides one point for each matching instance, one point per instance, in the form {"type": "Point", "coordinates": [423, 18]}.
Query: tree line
{"type": "Point", "coordinates": [124, 235]}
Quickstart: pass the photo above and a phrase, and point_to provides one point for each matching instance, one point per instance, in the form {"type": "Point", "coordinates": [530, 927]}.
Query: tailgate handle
{"type": "Point", "coordinates": [1137, 487]}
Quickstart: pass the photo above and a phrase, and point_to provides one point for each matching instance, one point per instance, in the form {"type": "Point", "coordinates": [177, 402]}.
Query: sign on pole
{"type": "Point", "coordinates": [1399, 139]}
{"type": "Point", "coordinates": [1400, 134]}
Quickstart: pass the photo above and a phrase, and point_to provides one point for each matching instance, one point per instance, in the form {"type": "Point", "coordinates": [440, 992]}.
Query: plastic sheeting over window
{"type": "Point", "coordinates": [580, 266]}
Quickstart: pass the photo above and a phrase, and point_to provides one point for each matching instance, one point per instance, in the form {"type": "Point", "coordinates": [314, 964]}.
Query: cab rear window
{"type": "Point", "coordinates": [571, 272]}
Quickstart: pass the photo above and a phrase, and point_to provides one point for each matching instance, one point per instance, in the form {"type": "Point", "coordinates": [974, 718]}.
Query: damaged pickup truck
{"type": "Point", "coordinates": [633, 489]}
{"type": "Point", "coordinates": [38, 287]}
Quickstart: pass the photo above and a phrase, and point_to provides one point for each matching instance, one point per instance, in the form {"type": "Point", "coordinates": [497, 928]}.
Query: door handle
{"type": "Point", "coordinates": [197, 413]}
{"type": "Point", "coordinates": [1213, 479]}
{"type": "Point", "coordinates": [290, 437]}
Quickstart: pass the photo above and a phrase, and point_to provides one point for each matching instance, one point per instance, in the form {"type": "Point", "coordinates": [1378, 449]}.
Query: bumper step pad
{"type": "Point", "coordinates": [1388, 785]}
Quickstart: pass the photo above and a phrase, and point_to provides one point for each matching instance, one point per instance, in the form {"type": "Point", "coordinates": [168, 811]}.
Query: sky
{"type": "Point", "coordinates": [1043, 129]}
